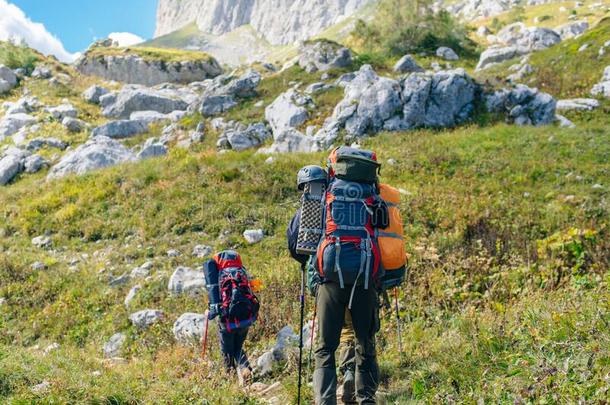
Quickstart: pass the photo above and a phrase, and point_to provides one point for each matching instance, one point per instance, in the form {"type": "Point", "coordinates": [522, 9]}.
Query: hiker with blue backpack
{"type": "Point", "coordinates": [232, 301]}
{"type": "Point", "coordinates": [350, 226]}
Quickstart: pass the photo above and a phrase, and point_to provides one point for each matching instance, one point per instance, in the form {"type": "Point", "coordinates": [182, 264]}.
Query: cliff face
{"type": "Point", "coordinates": [281, 22]}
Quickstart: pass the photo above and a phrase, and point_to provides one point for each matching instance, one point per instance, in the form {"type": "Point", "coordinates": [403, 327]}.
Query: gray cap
{"type": "Point", "coordinates": [310, 174]}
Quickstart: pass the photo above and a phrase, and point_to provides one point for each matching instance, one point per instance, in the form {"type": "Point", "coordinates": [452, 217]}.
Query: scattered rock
{"type": "Point", "coordinates": [285, 113]}
{"type": "Point", "coordinates": [50, 348]}
{"type": "Point", "coordinates": [564, 122]}
{"type": "Point", "coordinates": [291, 141]}
{"type": "Point", "coordinates": [318, 87]}
{"type": "Point", "coordinates": [495, 55]}
{"type": "Point", "coordinates": [42, 242]}
{"type": "Point", "coordinates": [603, 87]}
{"type": "Point", "coordinates": [253, 236]}
{"type": "Point", "coordinates": [42, 72]}
{"type": "Point", "coordinates": [92, 94]}
{"type": "Point", "coordinates": [577, 104]}
{"type": "Point", "coordinates": [446, 53]}
{"type": "Point", "coordinates": [12, 123]}
{"type": "Point", "coordinates": [443, 99]}
{"type": "Point", "coordinates": [40, 143]}
{"type": "Point", "coordinates": [62, 111]}
{"type": "Point", "coordinates": [145, 318]}
{"type": "Point", "coordinates": [151, 148]}
{"type": "Point", "coordinates": [136, 98]}
{"type": "Point", "coordinates": [34, 163]}
{"type": "Point", "coordinates": [214, 105]}
{"type": "Point", "coordinates": [572, 29]}
{"type": "Point", "coordinates": [41, 388]}
{"type": "Point", "coordinates": [97, 153]}
{"type": "Point", "coordinates": [120, 129]}
{"type": "Point", "coordinates": [173, 253]}
{"type": "Point", "coordinates": [120, 280]}
{"type": "Point", "coordinates": [114, 346]}
{"type": "Point", "coordinates": [38, 266]}
{"type": "Point", "coordinates": [240, 139]}
{"type": "Point", "coordinates": [190, 328]}
{"type": "Point", "coordinates": [201, 251]}
{"type": "Point", "coordinates": [186, 281]}
{"type": "Point", "coordinates": [130, 296]}
{"type": "Point", "coordinates": [407, 64]}
{"type": "Point", "coordinates": [74, 124]}
{"type": "Point", "coordinates": [322, 55]}
{"type": "Point", "coordinates": [10, 167]}
{"type": "Point", "coordinates": [8, 79]}
{"type": "Point", "coordinates": [523, 105]}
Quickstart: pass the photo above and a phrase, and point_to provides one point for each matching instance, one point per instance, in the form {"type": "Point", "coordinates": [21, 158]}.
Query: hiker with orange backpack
{"type": "Point", "coordinates": [353, 253]}
{"type": "Point", "coordinates": [233, 302]}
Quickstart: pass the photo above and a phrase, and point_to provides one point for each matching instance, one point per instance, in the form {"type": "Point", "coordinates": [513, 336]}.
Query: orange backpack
{"type": "Point", "coordinates": [391, 240]}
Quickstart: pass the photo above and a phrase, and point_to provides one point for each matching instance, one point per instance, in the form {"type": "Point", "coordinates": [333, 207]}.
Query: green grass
{"type": "Point", "coordinates": [561, 70]}
{"type": "Point", "coordinates": [504, 301]}
{"type": "Point", "coordinates": [17, 56]}
{"type": "Point", "coordinates": [149, 53]}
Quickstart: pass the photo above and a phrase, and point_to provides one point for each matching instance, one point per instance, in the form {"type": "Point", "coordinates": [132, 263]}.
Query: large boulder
{"type": "Point", "coordinates": [12, 123]}
{"type": "Point", "coordinates": [134, 69]}
{"type": "Point", "coordinates": [40, 143]}
{"type": "Point", "coordinates": [190, 328]}
{"type": "Point", "coordinates": [62, 111]}
{"type": "Point", "coordinates": [241, 86]}
{"type": "Point", "coordinates": [407, 64]}
{"type": "Point", "coordinates": [495, 55]}
{"type": "Point", "coordinates": [447, 53]}
{"type": "Point", "coordinates": [291, 141]}
{"type": "Point", "coordinates": [322, 55]}
{"type": "Point", "coordinates": [8, 79]}
{"type": "Point", "coordinates": [10, 166]}
{"type": "Point", "coordinates": [442, 99]}
{"type": "Point", "coordinates": [120, 129]}
{"type": "Point", "coordinates": [602, 88]}
{"type": "Point", "coordinates": [572, 29]}
{"type": "Point", "coordinates": [145, 318]}
{"type": "Point", "coordinates": [240, 138]}
{"type": "Point", "coordinates": [94, 93]}
{"type": "Point", "coordinates": [186, 281]}
{"type": "Point", "coordinates": [369, 101]}
{"type": "Point", "coordinates": [8, 75]}
{"type": "Point", "coordinates": [135, 98]}
{"type": "Point", "coordinates": [286, 112]}
{"type": "Point", "coordinates": [97, 153]}
{"type": "Point", "coordinates": [529, 38]}
{"type": "Point", "coordinates": [152, 148]}
{"type": "Point", "coordinates": [216, 104]}
{"type": "Point", "coordinates": [522, 105]}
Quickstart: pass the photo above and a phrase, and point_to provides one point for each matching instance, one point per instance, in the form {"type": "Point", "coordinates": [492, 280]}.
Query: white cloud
{"type": "Point", "coordinates": [14, 24]}
{"type": "Point", "coordinates": [125, 38]}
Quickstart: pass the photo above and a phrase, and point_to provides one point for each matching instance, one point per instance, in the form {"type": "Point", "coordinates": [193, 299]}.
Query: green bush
{"type": "Point", "coordinates": [17, 56]}
{"type": "Point", "coordinates": [404, 26]}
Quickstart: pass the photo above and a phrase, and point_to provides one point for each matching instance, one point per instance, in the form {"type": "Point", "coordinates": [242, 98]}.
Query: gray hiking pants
{"type": "Point", "coordinates": [332, 303]}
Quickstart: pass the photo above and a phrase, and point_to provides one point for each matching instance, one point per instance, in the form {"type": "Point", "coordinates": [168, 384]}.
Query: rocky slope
{"type": "Point", "coordinates": [280, 22]}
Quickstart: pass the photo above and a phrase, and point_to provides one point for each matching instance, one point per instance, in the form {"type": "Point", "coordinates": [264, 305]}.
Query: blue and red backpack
{"type": "Point", "coordinates": [349, 252]}
{"type": "Point", "coordinates": [231, 296]}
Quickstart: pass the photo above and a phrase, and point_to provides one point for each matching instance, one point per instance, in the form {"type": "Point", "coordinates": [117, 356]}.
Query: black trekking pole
{"type": "Point", "coordinates": [302, 298]}
{"type": "Point", "coordinates": [398, 320]}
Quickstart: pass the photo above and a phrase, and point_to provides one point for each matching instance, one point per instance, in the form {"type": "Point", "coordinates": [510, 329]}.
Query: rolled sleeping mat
{"type": "Point", "coordinates": [210, 272]}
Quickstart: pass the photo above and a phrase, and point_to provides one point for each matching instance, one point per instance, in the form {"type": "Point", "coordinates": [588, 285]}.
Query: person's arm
{"type": "Point", "coordinates": [292, 235]}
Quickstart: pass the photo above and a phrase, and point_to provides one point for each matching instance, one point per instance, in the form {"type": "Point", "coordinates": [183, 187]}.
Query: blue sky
{"type": "Point", "coordinates": [77, 22]}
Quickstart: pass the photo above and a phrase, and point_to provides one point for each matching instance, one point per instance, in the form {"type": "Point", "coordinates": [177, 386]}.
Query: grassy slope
{"type": "Point", "coordinates": [490, 315]}
{"type": "Point", "coordinates": [561, 70]}
{"type": "Point", "coordinates": [151, 53]}
{"type": "Point", "coordinates": [549, 14]}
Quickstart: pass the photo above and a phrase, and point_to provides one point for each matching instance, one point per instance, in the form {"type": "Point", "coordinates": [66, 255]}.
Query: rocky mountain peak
{"type": "Point", "coordinates": [280, 22]}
